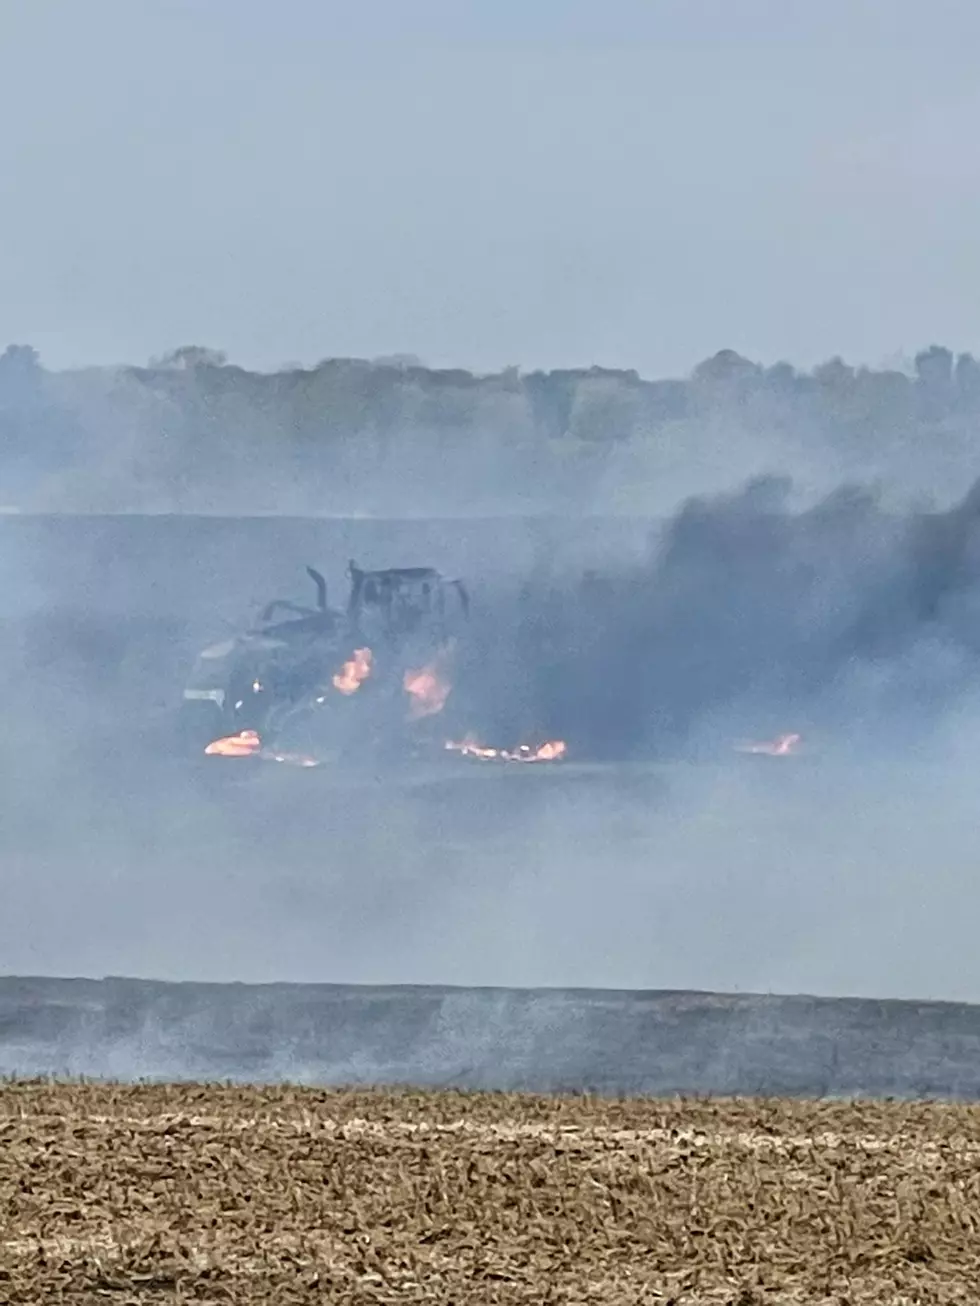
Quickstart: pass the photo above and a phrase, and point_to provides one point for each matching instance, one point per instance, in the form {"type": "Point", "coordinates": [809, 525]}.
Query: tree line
{"type": "Point", "coordinates": [192, 431]}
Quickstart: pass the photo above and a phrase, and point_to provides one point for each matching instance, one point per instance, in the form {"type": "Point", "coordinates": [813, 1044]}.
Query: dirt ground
{"type": "Point", "coordinates": [221, 1194]}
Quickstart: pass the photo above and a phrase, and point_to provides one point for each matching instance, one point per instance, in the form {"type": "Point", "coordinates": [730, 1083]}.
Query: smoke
{"type": "Point", "coordinates": [657, 857]}
{"type": "Point", "coordinates": [744, 610]}
{"type": "Point", "coordinates": [193, 433]}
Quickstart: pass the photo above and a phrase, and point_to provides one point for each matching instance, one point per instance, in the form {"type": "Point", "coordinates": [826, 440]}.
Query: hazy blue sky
{"type": "Point", "coordinates": [630, 182]}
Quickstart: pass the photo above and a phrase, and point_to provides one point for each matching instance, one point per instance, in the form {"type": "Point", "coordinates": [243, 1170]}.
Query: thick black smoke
{"type": "Point", "coordinates": [741, 606]}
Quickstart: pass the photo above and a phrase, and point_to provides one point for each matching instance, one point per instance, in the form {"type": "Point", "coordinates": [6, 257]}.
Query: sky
{"type": "Point", "coordinates": [636, 183]}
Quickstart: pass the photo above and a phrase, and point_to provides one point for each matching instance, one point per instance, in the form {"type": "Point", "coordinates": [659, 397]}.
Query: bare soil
{"type": "Point", "coordinates": [224, 1194]}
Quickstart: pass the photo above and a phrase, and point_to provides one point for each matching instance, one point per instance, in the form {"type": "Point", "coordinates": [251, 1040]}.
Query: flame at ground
{"type": "Point", "coordinates": [245, 744]}
{"type": "Point", "coordinates": [249, 744]}
{"type": "Point", "coordinates": [349, 678]}
{"type": "Point", "coordinates": [428, 690]}
{"type": "Point", "coordinates": [781, 746]}
{"type": "Point", "coordinates": [552, 751]}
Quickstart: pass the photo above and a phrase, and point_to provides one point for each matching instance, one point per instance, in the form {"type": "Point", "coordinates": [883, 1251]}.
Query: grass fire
{"type": "Point", "coordinates": [551, 751]}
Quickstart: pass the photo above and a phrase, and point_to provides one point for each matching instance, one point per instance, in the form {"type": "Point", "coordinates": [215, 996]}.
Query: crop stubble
{"type": "Point", "coordinates": [227, 1194]}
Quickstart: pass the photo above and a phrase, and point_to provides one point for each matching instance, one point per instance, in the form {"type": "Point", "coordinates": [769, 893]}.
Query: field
{"type": "Point", "coordinates": [219, 1194]}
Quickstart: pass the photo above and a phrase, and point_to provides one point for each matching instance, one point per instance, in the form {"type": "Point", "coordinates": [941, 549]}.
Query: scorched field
{"type": "Point", "coordinates": [220, 1194]}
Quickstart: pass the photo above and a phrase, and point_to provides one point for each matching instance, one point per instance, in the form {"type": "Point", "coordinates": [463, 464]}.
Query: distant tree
{"type": "Point", "coordinates": [355, 431]}
{"type": "Point", "coordinates": [835, 374]}
{"type": "Point", "coordinates": [551, 396]}
{"type": "Point", "coordinates": [19, 361]}
{"type": "Point", "coordinates": [188, 357]}
{"type": "Point", "coordinates": [38, 432]}
{"type": "Point", "coordinates": [403, 362]}
{"type": "Point", "coordinates": [510, 378]}
{"type": "Point", "coordinates": [725, 367]}
{"type": "Point", "coordinates": [604, 411]}
{"type": "Point", "coordinates": [934, 368]}
{"type": "Point", "coordinates": [966, 377]}
{"type": "Point", "coordinates": [782, 377]}
{"type": "Point", "coordinates": [21, 376]}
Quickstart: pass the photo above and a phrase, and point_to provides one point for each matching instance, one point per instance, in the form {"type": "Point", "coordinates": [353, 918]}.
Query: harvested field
{"type": "Point", "coordinates": [223, 1194]}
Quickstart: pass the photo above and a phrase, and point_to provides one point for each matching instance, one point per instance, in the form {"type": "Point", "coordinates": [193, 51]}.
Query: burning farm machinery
{"type": "Point", "coordinates": [305, 683]}
{"type": "Point", "coordinates": [318, 679]}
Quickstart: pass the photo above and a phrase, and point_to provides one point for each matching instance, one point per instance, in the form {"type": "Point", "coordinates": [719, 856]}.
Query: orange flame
{"type": "Point", "coordinates": [552, 751]}
{"type": "Point", "coordinates": [245, 744]}
{"type": "Point", "coordinates": [348, 679]}
{"type": "Point", "coordinates": [428, 691]}
{"type": "Point", "coordinates": [781, 746]}
{"type": "Point", "coordinates": [249, 744]}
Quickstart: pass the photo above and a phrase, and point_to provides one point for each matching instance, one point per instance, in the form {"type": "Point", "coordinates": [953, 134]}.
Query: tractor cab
{"type": "Point", "coordinates": [400, 602]}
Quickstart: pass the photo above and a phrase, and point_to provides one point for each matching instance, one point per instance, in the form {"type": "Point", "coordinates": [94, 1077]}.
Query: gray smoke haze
{"type": "Point", "coordinates": [664, 561]}
{"type": "Point", "coordinates": [657, 858]}
{"type": "Point", "coordinates": [193, 433]}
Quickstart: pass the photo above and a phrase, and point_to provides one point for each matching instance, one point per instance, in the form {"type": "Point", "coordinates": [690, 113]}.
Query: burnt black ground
{"type": "Point", "coordinates": [572, 1040]}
